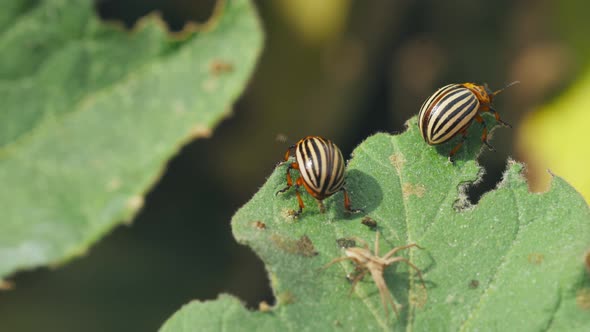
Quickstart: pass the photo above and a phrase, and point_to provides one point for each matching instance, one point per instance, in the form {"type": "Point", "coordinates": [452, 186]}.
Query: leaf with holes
{"type": "Point", "coordinates": [513, 262]}
{"type": "Point", "coordinates": [91, 113]}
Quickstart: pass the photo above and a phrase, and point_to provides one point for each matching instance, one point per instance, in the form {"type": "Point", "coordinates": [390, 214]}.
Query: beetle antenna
{"type": "Point", "coordinates": [504, 88]}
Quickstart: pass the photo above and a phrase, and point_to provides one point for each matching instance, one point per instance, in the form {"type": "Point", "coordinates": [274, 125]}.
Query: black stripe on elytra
{"type": "Point", "coordinates": [338, 179]}
{"type": "Point", "coordinates": [302, 150]}
{"type": "Point", "coordinates": [332, 160]}
{"type": "Point", "coordinates": [428, 105]}
{"type": "Point", "coordinates": [457, 119]}
{"type": "Point", "coordinates": [316, 148]}
{"type": "Point", "coordinates": [455, 97]}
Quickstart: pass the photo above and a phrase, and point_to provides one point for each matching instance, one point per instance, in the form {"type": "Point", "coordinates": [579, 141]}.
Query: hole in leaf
{"type": "Point", "coordinates": [494, 170]}
{"type": "Point", "coordinates": [176, 13]}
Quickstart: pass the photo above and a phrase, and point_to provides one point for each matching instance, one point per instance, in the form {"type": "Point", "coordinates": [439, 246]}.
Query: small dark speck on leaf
{"type": "Point", "coordinates": [473, 284]}
{"type": "Point", "coordinates": [345, 242]}
{"type": "Point", "coordinates": [369, 222]}
{"type": "Point", "coordinates": [218, 67]}
{"type": "Point", "coordinates": [259, 225]}
{"type": "Point", "coordinates": [291, 213]}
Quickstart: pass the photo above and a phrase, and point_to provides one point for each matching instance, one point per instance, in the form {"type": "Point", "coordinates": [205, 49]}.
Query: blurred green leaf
{"type": "Point", "coordinates": [513, 262]}
{"type": "Point", "coordinates": [91, 113]}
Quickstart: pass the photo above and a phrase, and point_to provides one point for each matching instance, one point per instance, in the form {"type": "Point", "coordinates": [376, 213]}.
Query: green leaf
{"type": "Point", "coordinates": [514, 262]}
{"type": "Point", "coordinates": [91, 113]}
{"type": "Point", "coordinates": [224, 314]}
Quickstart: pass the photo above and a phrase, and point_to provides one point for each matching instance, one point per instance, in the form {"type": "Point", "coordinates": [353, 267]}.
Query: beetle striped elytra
{"type": "Point", "coordinates": [321, 169]}
{"type": "Point", "coordinates": [451, 110]}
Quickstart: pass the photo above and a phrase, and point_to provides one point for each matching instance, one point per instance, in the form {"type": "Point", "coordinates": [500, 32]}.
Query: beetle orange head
{"type": "Point", "coordinates": [481, 92]}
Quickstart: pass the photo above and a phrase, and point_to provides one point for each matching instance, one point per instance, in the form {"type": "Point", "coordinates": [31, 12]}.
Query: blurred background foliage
{"type": "Point", "coordinates": [338, 68]}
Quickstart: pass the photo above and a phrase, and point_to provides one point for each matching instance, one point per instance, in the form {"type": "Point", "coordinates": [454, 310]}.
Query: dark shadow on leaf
{"type": "Point", "coordinates": [397, 283]}
{"type": "Point", "coordinates": [364, 191]}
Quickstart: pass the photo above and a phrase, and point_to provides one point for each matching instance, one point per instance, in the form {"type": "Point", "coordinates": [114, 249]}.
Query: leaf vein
{"type": "Point", "coordinates": [555, 309]}
{"type": "Point", "coordinates": [452, 185]}
{"type": "Point", "coordinates": [387, 167]}
{"type": "Point", "coordinates": [408, 235]}
{"type": "Point", "coordinates": [500, 267]}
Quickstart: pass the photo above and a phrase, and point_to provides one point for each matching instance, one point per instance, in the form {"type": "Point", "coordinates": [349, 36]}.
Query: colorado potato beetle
{"type": "Point", "coordinates": [452, 109]}
{"type": "Point", "coordinates": [321, 169]}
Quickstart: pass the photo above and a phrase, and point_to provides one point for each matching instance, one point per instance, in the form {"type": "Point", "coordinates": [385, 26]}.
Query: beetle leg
{"type": "Point", "coordinates": [484, 135]}
{"type": "Point", "coordinates": [287, 155]}
{"type": "Point", "coordinates": [289, 179]}
{"type": "Point", "coordinates": [497, 116]}
{"type": "Point", "coordinates": [298, 183]}
{"type": "Point", "coordinates": [347, 206]}
{"type": "Point", "coordinates": [458, 146]}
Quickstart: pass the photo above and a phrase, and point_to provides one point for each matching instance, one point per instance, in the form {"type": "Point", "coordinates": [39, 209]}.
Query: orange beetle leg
{"type": "Point", "coordinates": [497, 116]}
{"type": "Point", "coordinates": [484, 135]}
{"type": "Point", "coordinates": [287, 155]}
{"type": "Point", "coordinates": [301, 205]}
{"type": "Point", "coordinates": [347, 206]}
{"type": "Point", "coordinates": [458, 146]}
{"type": "Point", "coordinates": [289, 179]}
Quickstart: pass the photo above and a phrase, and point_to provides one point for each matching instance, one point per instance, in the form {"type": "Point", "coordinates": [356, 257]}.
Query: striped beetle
{"type": "Point", "coordinates": [321, 167]}
{"type": "Point", "coordinates": [452, 108]}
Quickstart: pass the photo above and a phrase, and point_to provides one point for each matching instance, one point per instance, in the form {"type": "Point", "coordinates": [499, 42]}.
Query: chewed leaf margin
{"type": "Point", "coordinates": [472, 258]}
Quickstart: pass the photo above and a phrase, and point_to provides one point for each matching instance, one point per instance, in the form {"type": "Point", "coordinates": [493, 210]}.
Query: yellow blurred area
{"type": "Point", "coordinates": [315, 21]}
{"type": "Point", "coordinates": [557, 138]}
